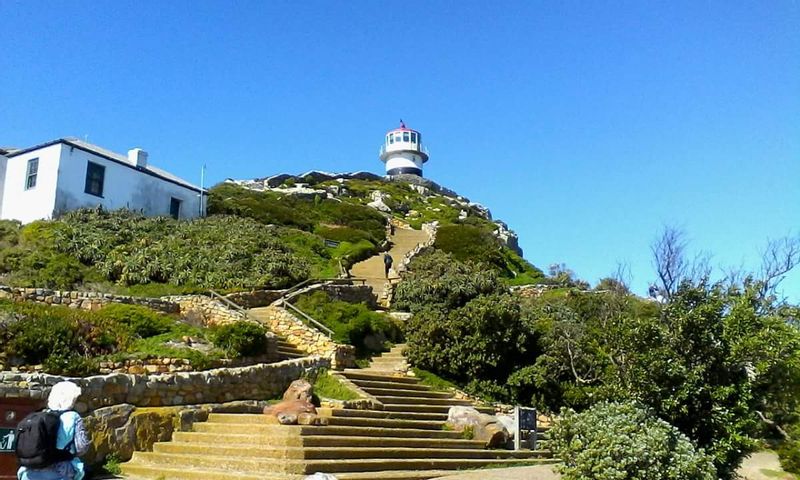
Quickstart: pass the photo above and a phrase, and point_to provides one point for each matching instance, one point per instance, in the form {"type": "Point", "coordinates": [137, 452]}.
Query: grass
{"type": "Point", "coordinates": [328, 386]}
{"type": "Point", "coordinates": [432, 380]}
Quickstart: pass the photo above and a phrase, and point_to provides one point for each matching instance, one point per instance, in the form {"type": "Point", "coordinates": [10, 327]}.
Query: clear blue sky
{"type": "Point", "coordinates": [586, 126]}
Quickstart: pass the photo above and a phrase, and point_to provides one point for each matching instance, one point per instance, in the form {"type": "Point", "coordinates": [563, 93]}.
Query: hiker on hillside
{"type": "Point", "coordinates": [387, 263]}
{"type": "Point", "coordinates": [60, 462]}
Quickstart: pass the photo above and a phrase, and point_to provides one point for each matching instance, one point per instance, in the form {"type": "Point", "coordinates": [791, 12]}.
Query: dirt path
{"type": "Point", "coordinates": [763, 466]}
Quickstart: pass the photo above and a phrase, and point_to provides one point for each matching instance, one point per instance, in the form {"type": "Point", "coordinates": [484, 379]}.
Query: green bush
{"type": "Point", "coordinates": [142, 321]}
{"type": "Point", "coordinates": [352, 323]}
{"type": "Point", "coordinates": [614, 441]}
{"type": "Point", "coordinates": [241, 339]}
{"type": "Point", "coordinates": [789, 453]}
{"type": "Point", "coordinates": [70, 364]}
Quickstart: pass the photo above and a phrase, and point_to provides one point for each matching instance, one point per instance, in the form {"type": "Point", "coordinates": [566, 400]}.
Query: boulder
{"type": "Point", "coordinates": [485, 428]}
{"type": "Point", "coordinates": [296, 407]}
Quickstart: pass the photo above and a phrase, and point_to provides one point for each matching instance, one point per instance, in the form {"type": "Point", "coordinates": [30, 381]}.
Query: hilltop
{"type": "Point", "coordinates": [269, 232]}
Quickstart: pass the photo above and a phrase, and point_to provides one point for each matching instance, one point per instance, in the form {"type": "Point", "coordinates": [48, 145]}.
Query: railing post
{"type": "Point", "coordinates": [517, 430]}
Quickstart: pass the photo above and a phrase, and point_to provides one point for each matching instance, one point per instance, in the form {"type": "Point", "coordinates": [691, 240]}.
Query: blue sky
{"type": "Point", "coordinates": [586, 126]}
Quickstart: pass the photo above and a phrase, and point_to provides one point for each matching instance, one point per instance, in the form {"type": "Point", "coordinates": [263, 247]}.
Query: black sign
{"type": "Point", "coordinates": [527, 419]}
{"type": "Point", "coordinates": [331, 243]}
{"type": "Point", "coordinates": [8, 439]}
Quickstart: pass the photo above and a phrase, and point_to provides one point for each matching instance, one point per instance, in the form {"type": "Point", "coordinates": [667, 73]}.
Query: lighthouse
{"type": "Point", "coordinates": [402, 151]}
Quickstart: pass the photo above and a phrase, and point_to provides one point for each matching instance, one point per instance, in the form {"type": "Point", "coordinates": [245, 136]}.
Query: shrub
{"type": "Point", "coordinates": [241, 339]}
{"type": "Point", "coordinates": [352, 323]}
{"type": "Point", "coordinates": [789, 452]}
{"type": "Point", "coordinates": [142, 321]}
{"type": "Point", "coordinates": [70, 364]}
{"type": "Point", "coordinates": [614, 441]}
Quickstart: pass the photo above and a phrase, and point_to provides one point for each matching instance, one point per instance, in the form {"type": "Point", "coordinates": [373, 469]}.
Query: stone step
{"type": "Point", "coordinates": [397, 399]}
{"type": "Point", "coordinates": [256, 429]}
{"type": "Point", "coordinates": [275, 440]}
{"type": "Point", "coordinates": [151, 472]}
{"type": "Point", "coordinates": [342, 412]}
{"type": "Point", "coordinates": [387, 442]}
{"type": "Point", "coordinates": [342, 453]}
{"type": "Point", "coordinates": [416, 474]}
{"type": "Point", "coordinates": [354, 374]}
{"type": "Point", "coordinates": [388, 385]}
{"type": "Point", "coordinates": [406, 393]}
{"type": "Point", "coordinates": [246, 419]}
{"type": "Point", "coordinates": [269, 466]}
{"type": "Point", "coordinates": [444, 409]}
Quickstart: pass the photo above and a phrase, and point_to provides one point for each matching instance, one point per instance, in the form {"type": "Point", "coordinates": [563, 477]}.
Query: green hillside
{"type": "Point", "coordinates": [250, 238]}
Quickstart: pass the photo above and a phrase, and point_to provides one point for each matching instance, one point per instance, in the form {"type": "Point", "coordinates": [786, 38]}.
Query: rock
{"type": "Point", "coordinates": [486, 428]}
{"type": "Point", "coordinates": [296, 404]}
{"type": "Point", "coordinates": [299, 390]}
{"type": "Point", "coordinates": [378, 202]}
{"type": "Point", "coordinates": [320, 476]}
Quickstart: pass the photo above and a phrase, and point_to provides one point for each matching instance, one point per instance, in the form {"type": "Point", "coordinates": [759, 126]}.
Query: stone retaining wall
{"type": "Point", "coordinates": [308, 339]}
{"type": "Point", "coordinates": [532, 291]}
{"type": "Point", "coordinates": [83, 300]}
{"type": "Point", "coordinates": [255, 298]}
{"type": "Point", "coordinates": [257, 382]}
{"type": "Point", "coordinates": [201, 310]}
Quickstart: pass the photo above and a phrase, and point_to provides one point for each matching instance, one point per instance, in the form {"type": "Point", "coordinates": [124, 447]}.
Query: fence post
{"type": "Point", "coordinates": [517, 430]}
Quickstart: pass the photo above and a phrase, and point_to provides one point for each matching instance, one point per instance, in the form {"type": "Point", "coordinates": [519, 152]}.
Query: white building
{"type": "Point", "coordinates": [402, 151]}
{"type": "Point", "coordinates": [44, 181]}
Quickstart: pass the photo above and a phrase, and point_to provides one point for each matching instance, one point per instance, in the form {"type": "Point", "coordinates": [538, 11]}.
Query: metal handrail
{"type": "Point", "coordinates": [229, 303]}
{"type": "Point", "coordinates": [317, 324]}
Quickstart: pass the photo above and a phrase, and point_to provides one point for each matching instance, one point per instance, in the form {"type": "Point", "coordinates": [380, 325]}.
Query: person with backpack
{"type": "Point", "coordinates": [387, 264]}
{"type": "Point", "coordinates": [50, 441]}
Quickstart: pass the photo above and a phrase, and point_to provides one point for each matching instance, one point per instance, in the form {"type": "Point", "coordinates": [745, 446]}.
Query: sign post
{"type": "Point", "coordinates": [525, 420]}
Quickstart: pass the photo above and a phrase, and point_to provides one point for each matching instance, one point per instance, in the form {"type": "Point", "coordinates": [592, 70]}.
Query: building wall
{"type": "Point", "coordinates": [39, 201]}
{"type": "Point", "coordinates": [3, 163]}
{"type": "Point", "coordinates": [403, 160]}
{"type": "Point", "coordinates": [124, 187]}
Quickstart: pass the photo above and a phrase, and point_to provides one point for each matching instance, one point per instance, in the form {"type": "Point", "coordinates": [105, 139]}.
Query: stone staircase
{"type": "Point", "coordinates": [286, 350]}
{"type": "Point", "coordinates": [392, 362]}
{"type": "Point", "coordinates": [406, 440]}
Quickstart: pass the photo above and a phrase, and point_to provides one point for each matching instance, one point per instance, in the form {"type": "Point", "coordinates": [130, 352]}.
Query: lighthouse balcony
{"type": "Point", "coordinates": [396, 147]}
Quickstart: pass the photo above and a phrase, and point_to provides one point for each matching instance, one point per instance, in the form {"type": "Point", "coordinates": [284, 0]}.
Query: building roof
{"type": "Point", "coordinates": [114, 157]}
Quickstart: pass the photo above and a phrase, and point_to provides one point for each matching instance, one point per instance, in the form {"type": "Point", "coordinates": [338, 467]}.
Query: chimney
{"type": "Point", "coordinates": [137, 157]}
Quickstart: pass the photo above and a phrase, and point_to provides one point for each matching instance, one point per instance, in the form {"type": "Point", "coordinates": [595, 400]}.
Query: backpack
{"type": "Point", "coordinates": [37, 435]}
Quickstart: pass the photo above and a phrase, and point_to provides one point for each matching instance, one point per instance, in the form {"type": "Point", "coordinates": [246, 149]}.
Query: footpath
{"type": "Point", "coordinates": [372, 270]}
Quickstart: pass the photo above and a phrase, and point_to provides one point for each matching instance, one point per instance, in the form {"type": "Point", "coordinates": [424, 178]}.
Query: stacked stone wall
{"type": "Point", "coordinates": [532, 291]}
{"type": "Point", "coordinates": [306, 338]}
{"type": "Point", "coordinates": [82, 300]}
{"type": "Point", "coordinates": [346, 293]}
{"type": "Point", "coordinates": [257, 382]}
{"type": "Point", "coordinates": [205, 311]}
{"type": "Point", "coordinates": [255, 298]}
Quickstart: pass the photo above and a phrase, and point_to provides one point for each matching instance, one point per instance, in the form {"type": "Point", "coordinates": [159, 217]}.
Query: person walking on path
{"type": "Point", "coordinates": [387, 263]}
{"type": "Point", "coordinates": [71, 437]}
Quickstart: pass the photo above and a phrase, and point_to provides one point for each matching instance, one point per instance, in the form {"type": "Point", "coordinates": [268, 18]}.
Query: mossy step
{"type": "Point", "coordinates": [342, 453]}
{"type": "Point", "coordinates": [149, 472]}
{"type": "Point", "coordinates": [428, 408]}
{"type": "Point", "coordinates": [398, 392]}
{"type": "Point", "coordinates": [343, 412]}
{"type": "Point", "coordinates": [396, 399]}
{"type": "Point", "coordinates": [255, 429]}
{"type": "Point", "coordinates": [365, 375]}
{"type": "Point", "coordinates": [246, 419]}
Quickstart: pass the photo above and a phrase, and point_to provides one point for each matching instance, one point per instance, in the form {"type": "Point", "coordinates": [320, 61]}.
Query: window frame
{"type": "Point", "coordinates": [31, 174]}
{"type": "Point", "coordinates": [406, 137]}
{"type": "Point", "coordinates": [93, 168]}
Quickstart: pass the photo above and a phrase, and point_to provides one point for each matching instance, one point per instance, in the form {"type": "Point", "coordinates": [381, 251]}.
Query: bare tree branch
{"type": "Point", "coordinates": [777, 259]}
{"type": "Point", "coordinates": [669, 260]}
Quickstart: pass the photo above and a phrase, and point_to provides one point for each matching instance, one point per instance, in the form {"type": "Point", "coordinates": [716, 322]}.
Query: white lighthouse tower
{"type": "Point", "coordinates": [402, 151]}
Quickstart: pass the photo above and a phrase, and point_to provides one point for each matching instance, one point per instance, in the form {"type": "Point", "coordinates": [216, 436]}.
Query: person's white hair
{"type": "Point", "coordinates": [63, 396]}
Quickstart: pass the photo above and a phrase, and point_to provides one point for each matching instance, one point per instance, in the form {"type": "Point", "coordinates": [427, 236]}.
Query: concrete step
{"type": "Point", "coordinates": [342, 453]}
{"type": "Point", "coordinates": [354, 374]}
{"type": "Point", "coordinates": [256, 429]}
{"type": "Point", "coordinates": [268, 466]}
{"type": "Point", "coordinates": [406, 393]}
{"type": "Point", "coordinates": [402, 407]}
{"type": "Point", "coordinates": [414, 474]}
{"type": "Point", "coordinates": [389, 442]}
{"type": "Point", "coordinates": [397, 399]}
{"type": "Point", "coordinates": [342, 412]}
{"type": "Point", "coordinates": [135, 471]}
{"type": "Point", "coordinates": [390, 385]}
{"type": "Point", "coordinates": [244, 420]}
{"type": "Point", "coordinates": [274, 440]}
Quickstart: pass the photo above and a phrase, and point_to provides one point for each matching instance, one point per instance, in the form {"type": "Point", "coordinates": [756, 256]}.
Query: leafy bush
{"type": "Point", "coordinates": [352, 323]}
{"type": "Point", "coordinates": [241, 339]}
{"type": "Point", "coordinates": [327, 386]}
{"type": "Point", "coordinates": [142, 321]}
{"type": "Point", "coordinates": [789, 453]}
{"type": "Point", "coordinates": [438, 280]}
{"type": "Point", "coordinates": [613, 441]}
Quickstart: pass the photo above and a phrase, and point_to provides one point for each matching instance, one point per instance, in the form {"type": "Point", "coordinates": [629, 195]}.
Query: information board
{"type": "Point", "coordinates": [8, 439]}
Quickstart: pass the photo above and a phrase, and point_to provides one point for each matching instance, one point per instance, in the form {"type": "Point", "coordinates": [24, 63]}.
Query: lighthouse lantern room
{"type": "Point", "coordinates": [402, 151]}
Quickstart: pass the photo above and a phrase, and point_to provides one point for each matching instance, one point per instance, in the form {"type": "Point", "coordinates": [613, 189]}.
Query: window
{"type": "Point", "coordinates": [32, 173]}
{"type": "Point", "coordinates": [391, 138]}
{"type": "Point", "coordinates": [95, 175]}
{"type": "Point", "coordinates": [413, 137]}
{"type": "Point", "coordinates": [405, 136]}
{"type": "Point", "coordinates": [174, 208]}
